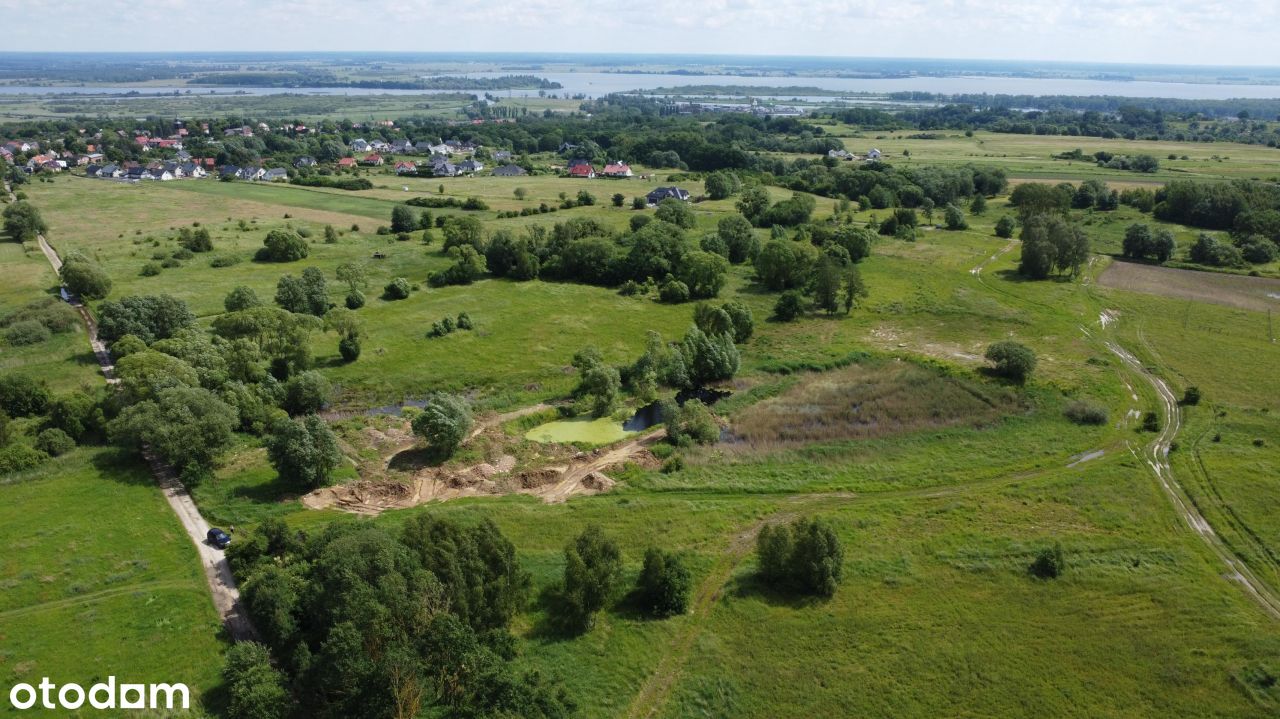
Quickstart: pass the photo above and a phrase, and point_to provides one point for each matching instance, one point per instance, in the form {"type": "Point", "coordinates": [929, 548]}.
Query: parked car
{"type": "Point", "coordinates": [219, 538]}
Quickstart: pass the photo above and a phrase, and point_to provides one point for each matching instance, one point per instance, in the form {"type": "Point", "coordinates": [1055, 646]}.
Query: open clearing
{"type": "Point", "coordinates": [1261, 294]}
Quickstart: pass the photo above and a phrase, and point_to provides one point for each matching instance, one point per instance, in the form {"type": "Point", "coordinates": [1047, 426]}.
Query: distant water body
{"type": "Point", "coordinates": [597, 84]}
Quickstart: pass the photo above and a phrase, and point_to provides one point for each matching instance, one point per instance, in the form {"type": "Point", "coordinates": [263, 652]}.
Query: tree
{"type": "Point", "coordinates": [198, 241]}
{"type": "Point", "coordinates": [85, 278]}
{"type": "Point", "coordinates": [856, 241]}
{"type": "Point", "coordinates": [593, 568]}
{"type": "Point", "coordinates": [187, 427]}
{"type": "Point", "coordinates": [789, 306]}
{"type": "Point", "coordinates": [468, 266]}
{"type": "Point", "coordinates": [1011, 359]}
{"type": "Point", "coordinates": [677, 212]}
{"type": "Point", "coordinates": [954, 218]}
{"type": "Point", "coordinates": [805, 556]}
{"type": "Point", "coordinates": [690, 423]}
{"type": "Point", "coordinates": [75, 413]}
{"type": "Point", "coordinates": [1049, 243]}
{"type": "Point", "coordinates": [354, 275]}
{"type": "Point", "coordinates": [291, 295]}
{"type": "Point", "coordinates": [1191, 396]}
{"type": "Point", "coordinates": [1005, 227]}
{"type": "Point", "coordinates": [1035, 198]}
{"type": "Point", "coordinates": [255, 688]}
{"type": "Point", "coordinates": [705, 273]}
{"type": "Point", "coordinates": [978, 206]}
{"type": "Point", "coordinates": [459, 231]}
{"type": "Point", "coordinates": [741, 318]}
{"type": "Point", "coordinates": [396, 289]}
{"type": "Point", "coordinates": [720, 185]}
{"type": "Point", "coordinates": [241, 298]}
{"type": "Point", "coordinates": [22, 222]}
{"type": "Point", "coordinates": [618, 199]}
{"type": "Point", "coordinates": [443, 424]}
{"type": "Point", "coordinates": [663, 587]}
{"type": "Point", "coordinates": [148, 317]}
{"type": "Point", "coordinates": [143, 375]}
{"type": "Point", "coordinates": [22, 395]}
{"type": "Point", "coordinates": [304, 451]}
{"type": "Point", "coordinates": [599, 385]}
{"type": "Point", "coordinates": [330, 235]}
{"type": "Point", "coordinates": [854, 289]}
{"type": "Point", "coordinates": [826, 286]}
{"type": "Point", "coordinates": [306, 393]}
{"type": "Point", "coordinates": [783, 264]}
{"type": "Point", "coordinates": [520, 193]}
{"type": "Point", "coordinates": [586, 199]}
{"type": "Point", "coordinates": [709, 358]}
{"type": "Point", "coordinates": [402, 219]}
{"type": "Point", "coordinates": [282, 246]}
{"type": "Point", "coordinates": [753, 204]}
{"type": "Point", "coordinates": [739, 237]}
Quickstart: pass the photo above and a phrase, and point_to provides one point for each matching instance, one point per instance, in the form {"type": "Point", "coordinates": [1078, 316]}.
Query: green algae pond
{"type": "Point", "coordinates": [580, 430]}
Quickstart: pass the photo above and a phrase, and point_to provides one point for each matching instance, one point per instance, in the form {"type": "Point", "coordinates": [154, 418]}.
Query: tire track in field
{"type": "Point", "coordinates": [94, 597]}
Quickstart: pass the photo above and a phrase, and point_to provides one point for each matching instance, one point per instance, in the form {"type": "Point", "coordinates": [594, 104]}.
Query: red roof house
{"type": "Point", "coordinates": [583, 170]}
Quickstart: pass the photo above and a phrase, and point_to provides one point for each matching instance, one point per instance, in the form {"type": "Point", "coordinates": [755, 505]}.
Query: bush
{"type": "Point", "coordinates": [22, 396]}
{"type": "Point", "coordinates": [1150, 422]}
{"type": "Point", "coordinates": [397, 289]}
{"type": "Point", "coordinates": [673, 291]}
{"type": "Point", "coordinates": [593, 566]}
{"type": "Point", "coordinates": [789, 306]}
{"type": "Point", "coordinates": [306, 393]}
{"type": "Point", "coordinates": [1012, 360]}
{"type": "Point", "coordinates": [282, 246]}
{"type": "Point", "coordinates": [349, 348]}
{"type": "Point", "coordinates": [691, 423]}
{"type": "Point", "coordinates": [1191, 396]}
{"type": "Point", "coordinates": [1049, 563]}
{"type": "Point", "coordinates": [1085, 413]}
{"type": "Point", "coordinates": [85, 278]}
{"type": "Point", "coordinates": [662, 589]}
{"type": "Point", "coordinates": [224, 261]}
{"type": "Point", "coordinates": [150, 269]}
{"type": "Point", "coordinates": [26, 332]}
{"type": "Point", "coordinates": [805, 556]}
{"type": "Point", "coordinates": [464, 321]}
{"type": "Point", "coordinates": [443, 424]}
{"type": "Point", "coordinates": [304, 452]}
{"type": "Point", "coordinates": [54, 442]}
{"type": "Point", "coordinates": [20, 457]}
{"type": "Point", "coordinates": [355, 300]}
{"type": "Point", "coordinates": [1005, 227]}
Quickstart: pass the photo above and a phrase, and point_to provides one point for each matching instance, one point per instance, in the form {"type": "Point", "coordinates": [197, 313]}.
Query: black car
{"type": "Point", "coordinates": [219, 538]}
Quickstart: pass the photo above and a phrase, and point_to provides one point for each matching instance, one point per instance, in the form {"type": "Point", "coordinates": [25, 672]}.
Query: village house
{"type": "Point", "coordinates": [616, 169]}
{"type": "Point", "coordinates": [346, 162]}
{"type": "Point", "coordinates": [405, 167]}
{"type": "Point", "coordinates": [509, 171]}
{"type": "Point", "coordinates": [470, 166]}
{"type": "Point", "coordinates": [874, 154]}
{"type": "Point", "coordinates": [502, 156]}
{"type": "Point", "coordinates": [275, 174]}
{"type": "Point", "coordinates": [305, 161]}
{"type": "Point", "coordinates": [582, 170]}
{"type": "Point", "coordinates": [373, 159]}
{"type": "Point", "coordinates": [359, 145]}
{"type": "Point", "coordinates": [663, 193]}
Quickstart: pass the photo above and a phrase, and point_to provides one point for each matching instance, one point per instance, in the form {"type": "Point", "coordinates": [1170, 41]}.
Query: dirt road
{"type": "Point", "coordinates": [1156, 455]}
{"type": "Point", "coordinates": [222, 584]}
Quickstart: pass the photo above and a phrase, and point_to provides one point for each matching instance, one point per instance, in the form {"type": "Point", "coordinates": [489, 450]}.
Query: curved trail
{"type": "Point", "coordinates": [222, 584]}
{"type": "Point", "coordinates": [1156, 455]}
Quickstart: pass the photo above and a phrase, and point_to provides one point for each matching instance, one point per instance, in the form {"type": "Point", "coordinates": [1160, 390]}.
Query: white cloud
{"type": "Point", "coordinates": [1160, 31]}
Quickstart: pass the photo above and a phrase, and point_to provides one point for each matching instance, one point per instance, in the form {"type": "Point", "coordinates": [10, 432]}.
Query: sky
{"type": "Point", "coordinates": [1192, 32]}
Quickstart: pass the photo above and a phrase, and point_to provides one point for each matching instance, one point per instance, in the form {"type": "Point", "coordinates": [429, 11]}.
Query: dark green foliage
{"type": "Point", "coordinates": [468, 266]}
{"type": "Point", "coordinates": [1140, 242]}
{"type": "Point", "coordinates": [306, 393]}
{"type": "Point", "coordinates": [804, 557]}
{"type": "Point", "coordinates": [148, 317]}
{"type": "Point", "coordinates": [52, 313]}
{"type": "Point", "coordinates": [663, 587]}
{"type": "Point", "coordinates": [477, 565]}
{"type": "Point", "coordinates": [255, 688]}
{"type": "Point", "coordinates": [1207, 250]}
{"type": "Point", "coordinates": [22, 222]}
{"type": "Point", "coordinates": [305, 295]}
{"type": "Point", "coordinates": [1191, 396]}
{"type": "Point", "coordinates": [75, 413]}
{"type": "Point", "coordinates": [677, 212]}
{"type": "Point", "coordinates": [241, 298]}
{"type": "Point", "coordinates": [1011, 359]}
{"type": "Point", "coordinates": [739, 237]}
{"type": "Point", "coordinates": [599, 385]}
{"type": "Point", "coordinates": [618, 199]}
{"type": "Point", "coordinates": [84, 278]}
{"type": "Point", "coordinates": [19, 457]}
{"type": "Point", "coordinates": [22, 395]}
{"type": "Point", "coordinates": [741, 319]}
{"type": "Point", "coordinates": [1035, 198]}
{"type": "Point", "coordinates": [1005, 226]}
{"type": "Point", "coordinates": [593, 569]}
{"type": "Point", "coordinates": [720, 185]}
{"type": "Point", "coordinates": [954, 218]}
{"type": "Point", "coordinates": [443, 424]}
{"type": "Point", "coordinates": [54, 442]}
{"type": "Point", "coordinates": [1049, 563]}
{"type": "Point", "coordinates": [704, 273]}
{"type": "Point", "coordinates": [355, 300]}
{"type": "Point", "coordinates": [1082, 412]}
{"type": "Point", "coordinates": [187, 427]}
{"type": "Point", "coordinates": [673, 291]}
{"type": "Point", "coordinates": [397, 289]}
{"type": "Point", "coordinates": [303, 451]}
{"type": "Point", "coordinates": [197, 241]}
{"type": "Point", "coordinates": [1150, 422]}
{"type": "Point", "coordinates": [349, 348]}
{"type": "Point", "coordinates": [784, 264]}
{"type": "Point", "coordinates": [150, 269]}
{"type": "Point", "coordinates": [282, 246]}
{"type": "Point", "coordinates": [709, 358]}
{"type": "Point", "coordinates": [1050, 243]}
{"type": "Point", "coordinates": [402, 219]}
{"type": "Point", "coordinates": [790, 305]}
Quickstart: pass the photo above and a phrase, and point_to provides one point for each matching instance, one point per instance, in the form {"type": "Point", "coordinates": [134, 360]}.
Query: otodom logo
{"type": "Point", "coordinates": [103, 695]}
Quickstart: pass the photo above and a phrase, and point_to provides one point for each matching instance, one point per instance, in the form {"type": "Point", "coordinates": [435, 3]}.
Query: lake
{"type": "Point", "coordinates": [598, 84]}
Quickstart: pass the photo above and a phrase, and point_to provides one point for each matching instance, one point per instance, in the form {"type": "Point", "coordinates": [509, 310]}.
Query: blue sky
{"type": "Point", "coordinates": [1201, 32]}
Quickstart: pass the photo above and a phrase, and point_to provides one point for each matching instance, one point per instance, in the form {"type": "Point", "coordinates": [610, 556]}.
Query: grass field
{"type": "Point", "coordinates": [943, 485]}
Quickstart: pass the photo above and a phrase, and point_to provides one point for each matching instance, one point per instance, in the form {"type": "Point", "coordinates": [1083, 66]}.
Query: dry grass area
{"type": "Point", "coordinates": [870, 400]}
{"type": "Point", "coordinates": [1242, 292]}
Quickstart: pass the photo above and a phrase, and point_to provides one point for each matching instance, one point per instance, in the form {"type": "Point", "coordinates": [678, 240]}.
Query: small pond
{"type": "Point", "coordinates": [583, 430]}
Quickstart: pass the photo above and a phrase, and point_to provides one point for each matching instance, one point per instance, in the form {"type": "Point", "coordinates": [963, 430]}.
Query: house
{"type": "Point", "coordinates": [874, 154]}
{"type": "Point", "coordinates": [437, 149]}
{"type": "Point", "coordinates": [108, 171]}
{"type": "Point", "coordinates": [347, 162]}
{"type": "Point", "coordinates": [182, 156]}
{"type": "Point", "coordinates": [174, 169]}
{"type": "Point", "coordinates": [406, 168]}
{"type": "Point", "coordinates": [379, 146]}
{"type": "Point", "coordinates": [359, 145]}
{"type": "Point", "coordinates": [583, 170]}
{"type": "Point", "coordinates": [502, 156]}
{"type": "Point", "coordinates": [470, 166]}
{"type": "Point", "coordinates": [192, 170]}
{"type": "Point", "coordinates": [443, 168]}
{"type": "Point", "coordinates": [578, 161]}
{"type": "Point", "coordinates": [251, 173]}
{"type": "Point", "coordinates": [664, 193]}
{"type": "Point", "coordinates": [6, 155]}
{"type": "Point", "coordinates": [94, 158]}
{"type": "Point", "coordinates": [372, 159]}
{"type": "Point", "coordinates": [160, 174]}
{"type": "Point", "coordinates": [509, 171]}
{"type": "Point", "coordinates": [92, 170]}
{"type": "Point", "coordinates": [305, 161]}
{"type": "Point", "coordinates": [228, 171]}
{"type": "Point", "coordinates": [402, 147]}
{"type": "Point", "coordinates": [275, 174]}
{"type": "Point", "coordinates": [840, 154]}
{"type": "Point", "coordinates": [616, 169]}
{"type": "Point", "coordinates": [137, 172]}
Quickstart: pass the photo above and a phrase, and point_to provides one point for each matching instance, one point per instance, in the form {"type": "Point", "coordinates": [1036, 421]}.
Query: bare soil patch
{"type": "Point", "coordinates": [1250, 293]}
